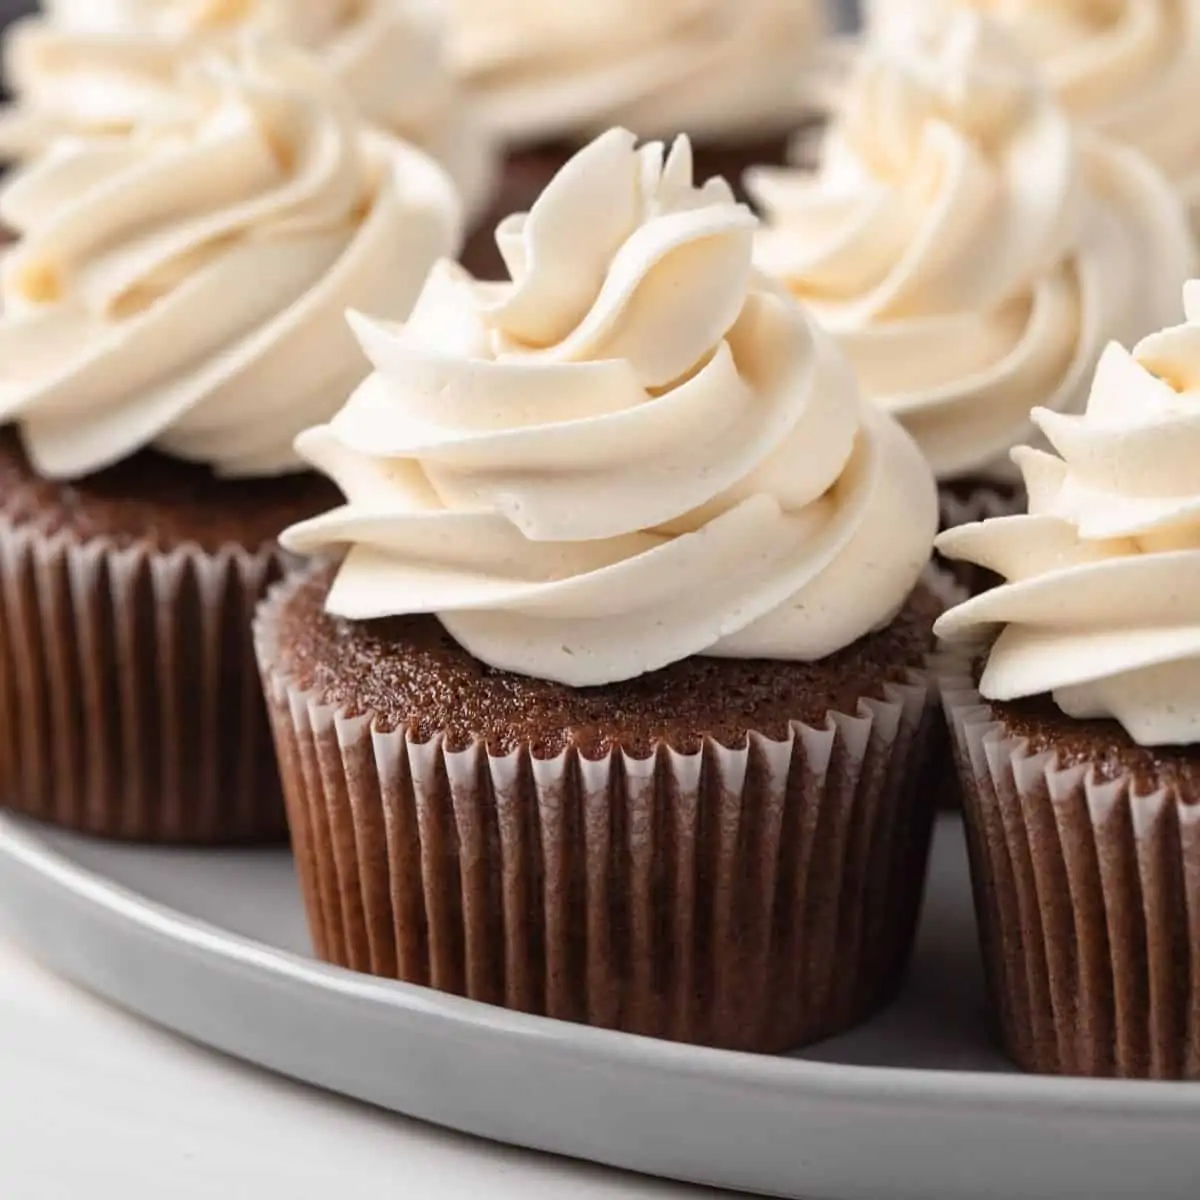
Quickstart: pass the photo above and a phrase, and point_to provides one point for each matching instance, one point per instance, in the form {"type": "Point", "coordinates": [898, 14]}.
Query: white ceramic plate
{"type": "Point", "coordinates": [915, 1106]}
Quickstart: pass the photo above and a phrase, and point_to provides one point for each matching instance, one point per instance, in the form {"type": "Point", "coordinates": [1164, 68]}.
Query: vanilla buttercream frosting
{"type": "Point", "coordinates": [1128, 68]}
{"type": "Point", "coordinates": [1100, 607]}
{"type": "Point", "coordinates": [100, 66]}
{"type": "Point", "coordinates": [636, 451]}
{"type": "Point", "coordinates": [184, 287]}
{"type": "Point", "coordinates": [715, 69]}
{"type": "Point", "coordinates": [971, 250]}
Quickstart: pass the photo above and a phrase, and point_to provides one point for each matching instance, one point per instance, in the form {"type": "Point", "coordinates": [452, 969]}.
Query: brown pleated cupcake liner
{"type": "Point", "coordinates": [964, 506]}
{"type": "Point", "coordinates": [759, 898]}
{"type": "Point", "coordinates": [130, 704]}
{"type": "Point", "coordinates": [947, 664]}
{"type": "Point", "coordinates": [1088, 901]}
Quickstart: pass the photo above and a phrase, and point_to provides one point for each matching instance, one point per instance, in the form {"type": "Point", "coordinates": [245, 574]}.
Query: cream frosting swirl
{"type": "Point", "coordinates": [100, 66]}
{"type": "Point", "coordinates": [970, 250]}
{"type": "Point", "coordinates": [637, 451]}
{"type": "Point", "coordinates": [184, 287]}
{"type": "Point", "coordinates": [713, 68]}
{"type": "Point", "coordinates": [1103, 572]}
{"type": "Point", "coordinates": [1129, 68]}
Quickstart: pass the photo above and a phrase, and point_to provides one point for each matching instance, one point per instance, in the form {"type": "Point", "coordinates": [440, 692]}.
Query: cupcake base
{"type": "Point", "coordinates": [1085, 857]}
{"type": "Point", "coordinates": [129, 703]}
{"type": "Point", "coordinates": [727, 853]}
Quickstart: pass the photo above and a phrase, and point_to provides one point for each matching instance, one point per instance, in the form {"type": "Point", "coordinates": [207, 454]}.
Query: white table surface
{"type": "Point", "coordinates": [96, 1104]}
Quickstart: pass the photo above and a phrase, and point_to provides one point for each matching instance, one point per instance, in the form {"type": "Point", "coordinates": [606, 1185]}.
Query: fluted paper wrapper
{"type": "Point", "coordinates": [1088, 900]}
{"type": "Point", "coordinates": [130, 704]}
{"type": "Point", "coordinates": [947, 665]}
{"type": "Point", "coordinates": [981, 503]}
{"type": "Point", "coordinates": [760, 898]}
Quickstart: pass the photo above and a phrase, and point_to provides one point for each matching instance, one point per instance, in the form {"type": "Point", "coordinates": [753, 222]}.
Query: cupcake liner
{"type": "Point", "coordinates": [964, 505]}
{"type": "Point", "coordinates": [758, 898]}
{"type": "Point", "coordinates": [947, 664]}
{"type": "Point", "coordinates": [130, 706]}
{"type": "Point", "coordinates": [1088, 901]}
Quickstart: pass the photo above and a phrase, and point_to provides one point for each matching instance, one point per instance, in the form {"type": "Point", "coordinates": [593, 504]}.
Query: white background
{"type": "Point", "coordinates": [95, 1105]}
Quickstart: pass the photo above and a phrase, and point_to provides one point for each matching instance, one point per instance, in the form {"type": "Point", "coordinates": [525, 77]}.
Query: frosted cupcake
{"type": "Point", "coordinates": [1079, 743]}
{"type": "Point", "coordinates": [971, 251]}
{"type": "Point", "coordinates": [616, 707]}
{"type": "Point", "coordinates": [737, 76]}
{"type": "Point", "coordinates": [90, 68]}
{"type": "Point", "coordinates": [172, 318]}
{"type": "Point", "coordinates": [1128, 68]}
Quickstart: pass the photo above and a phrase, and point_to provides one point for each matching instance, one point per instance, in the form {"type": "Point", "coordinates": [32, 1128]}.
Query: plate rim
{"type": "Point", "coordinates": [1030, 1095]}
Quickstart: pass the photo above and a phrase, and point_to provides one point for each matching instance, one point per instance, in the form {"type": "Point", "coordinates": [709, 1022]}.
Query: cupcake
{"type": "Point", "coordinates": [615, 708]}
{"type": "Point", "coordinates": [88, 68]}
{"type": "Point", "coordinates": [1078, 738]}
{"type": "Point", "coordinates": [172, 317]}
{"type": "Point", "coordinates": [1129, 70]}
{"type": "Point", "coordinates": [971, 251]}
{"type": "Point", "coordinates": [738, 76]}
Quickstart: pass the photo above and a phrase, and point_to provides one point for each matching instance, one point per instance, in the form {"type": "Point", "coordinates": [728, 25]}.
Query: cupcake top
{"type": "Point", "coordinates": [1100, 606]}
{"type": "Point", "coordinates": [545, 69]}
{"type": "Point", "coordinates": [636, 451]}
{"type": "Point", "coordinates": [184, 287]}
{"type": "Point", "coordinates": [1130, 68]}
{"type": "Point", "coordinates": [972, 252]}
{"type": "Point", "coordinates": [86, 67]}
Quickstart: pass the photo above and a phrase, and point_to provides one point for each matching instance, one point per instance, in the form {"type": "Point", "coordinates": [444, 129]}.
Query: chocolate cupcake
{"type": "Point", "coordinates": [171, 318]}
{"type": "Point", "coordinates": [737, 76]}
{"type": "Point", "coordinates": [617, 708]}
{"type": "Point", "coordinates": [1078, 734]}
{"type": "Point", "coordinates": [971, 250]}
{"type": "Point", "coordinates": [102, 69]}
